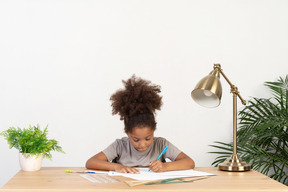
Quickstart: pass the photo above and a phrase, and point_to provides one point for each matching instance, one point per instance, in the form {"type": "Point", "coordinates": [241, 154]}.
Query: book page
{"type": "Point", "coordinates": [99, 178]}
{"type": "Point", "coordinates": [145, 174]}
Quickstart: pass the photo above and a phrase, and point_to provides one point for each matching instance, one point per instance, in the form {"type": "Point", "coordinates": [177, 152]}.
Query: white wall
{"type": "Point", "coordinates": [60, 60]}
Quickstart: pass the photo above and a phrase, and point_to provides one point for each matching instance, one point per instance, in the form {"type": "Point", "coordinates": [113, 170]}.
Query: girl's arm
{"type": "Point", "coordinates": [100, 162]}
{"type": "Point", "coordinates": [182, 162]}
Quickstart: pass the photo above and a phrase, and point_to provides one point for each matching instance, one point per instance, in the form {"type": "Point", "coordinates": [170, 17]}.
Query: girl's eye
{"type": "Point", "coordinates": [136, 140]}
{"type": "Point", "coordinates": [148, 139]}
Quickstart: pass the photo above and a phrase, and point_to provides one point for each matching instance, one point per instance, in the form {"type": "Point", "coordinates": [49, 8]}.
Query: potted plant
{"type": "Point", "coordinates": [32, 144]}
{"type": "Point", "coordinates": [263, 133]}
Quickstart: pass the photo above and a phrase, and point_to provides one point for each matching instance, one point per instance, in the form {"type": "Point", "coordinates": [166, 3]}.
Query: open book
{"type": "Point", "coordinates": [146, 176]}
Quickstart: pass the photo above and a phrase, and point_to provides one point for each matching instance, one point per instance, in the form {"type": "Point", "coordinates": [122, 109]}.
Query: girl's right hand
{"type": "Point", "coordinates": [124, 169]}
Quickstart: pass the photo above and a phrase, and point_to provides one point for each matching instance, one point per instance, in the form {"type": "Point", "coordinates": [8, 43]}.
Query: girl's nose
{"type": "Point", "coordinates": [141, 144]}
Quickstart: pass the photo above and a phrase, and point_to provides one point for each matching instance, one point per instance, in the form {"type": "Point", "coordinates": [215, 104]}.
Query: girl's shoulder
{"type": "Point", "coordinates": [122, 140]}
{"type": "Point", "coordinates": [160, 141]}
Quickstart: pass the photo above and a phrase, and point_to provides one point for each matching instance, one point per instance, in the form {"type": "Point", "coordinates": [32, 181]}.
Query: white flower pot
{"type": "Point", "coordinates": [32, 163]}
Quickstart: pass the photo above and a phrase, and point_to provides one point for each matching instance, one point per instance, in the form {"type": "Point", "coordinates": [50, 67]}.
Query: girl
{"type": "Point", "coordinates": [136, 105]}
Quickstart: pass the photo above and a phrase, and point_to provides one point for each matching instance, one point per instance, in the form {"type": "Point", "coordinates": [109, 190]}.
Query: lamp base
{"type": "Point", "coordinates": [234, 163]}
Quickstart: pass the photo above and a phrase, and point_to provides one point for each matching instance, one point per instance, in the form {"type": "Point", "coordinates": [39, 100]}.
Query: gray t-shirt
{"type": "Point", "coordinates": [127, 155]}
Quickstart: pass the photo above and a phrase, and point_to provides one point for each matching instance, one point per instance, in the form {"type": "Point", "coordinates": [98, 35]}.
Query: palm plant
{"type": "Point", "coordinates": [262, 138]}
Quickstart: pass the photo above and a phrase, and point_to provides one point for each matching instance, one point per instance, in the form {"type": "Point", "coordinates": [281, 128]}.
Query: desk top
{"type": "Point", "coordinates": [54, 179]}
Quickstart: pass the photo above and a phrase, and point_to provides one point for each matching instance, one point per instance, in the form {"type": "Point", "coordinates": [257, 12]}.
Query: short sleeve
{"type": "Point", "coordinates": [172, 152]}
{"type": "Point", "coordinates": [111, 150]}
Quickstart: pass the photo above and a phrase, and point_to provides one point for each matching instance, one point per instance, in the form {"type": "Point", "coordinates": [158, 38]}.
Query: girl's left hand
{"type": "Point", "coordinates": [156, 166]}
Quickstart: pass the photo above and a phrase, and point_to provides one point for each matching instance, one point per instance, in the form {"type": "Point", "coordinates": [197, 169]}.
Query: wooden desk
{"type": "Point", "coordinates": [54, 179]}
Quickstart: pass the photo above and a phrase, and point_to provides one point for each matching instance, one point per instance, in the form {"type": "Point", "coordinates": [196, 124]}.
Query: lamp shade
{"type": "Point", "coordinates": [208, 91]}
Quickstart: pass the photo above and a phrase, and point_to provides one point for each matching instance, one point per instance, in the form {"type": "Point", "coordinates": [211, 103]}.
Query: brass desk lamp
{"type": "Point", "coordinates": [208, 93]}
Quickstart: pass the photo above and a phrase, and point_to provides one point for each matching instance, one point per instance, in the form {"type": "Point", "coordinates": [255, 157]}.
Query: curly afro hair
{"type": "Point", "coordinates": [137, 103]}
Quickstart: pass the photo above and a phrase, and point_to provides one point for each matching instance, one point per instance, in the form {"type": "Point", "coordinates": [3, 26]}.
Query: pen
{"type": "Point", "coordinates": [164, 150]}
{"type": "Point", "coordinates": [70, 171]}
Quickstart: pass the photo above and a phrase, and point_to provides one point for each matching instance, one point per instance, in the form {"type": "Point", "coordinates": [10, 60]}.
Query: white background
{"type": "Point", "coordinates": [60, 60]}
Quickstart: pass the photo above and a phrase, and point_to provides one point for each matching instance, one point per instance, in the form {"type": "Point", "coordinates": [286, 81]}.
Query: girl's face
{"type": "Point", "coordinates": [141, 138]}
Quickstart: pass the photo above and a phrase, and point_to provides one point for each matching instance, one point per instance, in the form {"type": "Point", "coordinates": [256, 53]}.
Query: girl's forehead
{"type": "Point", "coordinates": [142, 132]}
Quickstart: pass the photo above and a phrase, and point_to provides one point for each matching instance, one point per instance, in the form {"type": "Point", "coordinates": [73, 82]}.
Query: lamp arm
{"type": "Point", "coordinates": [234, 89]}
